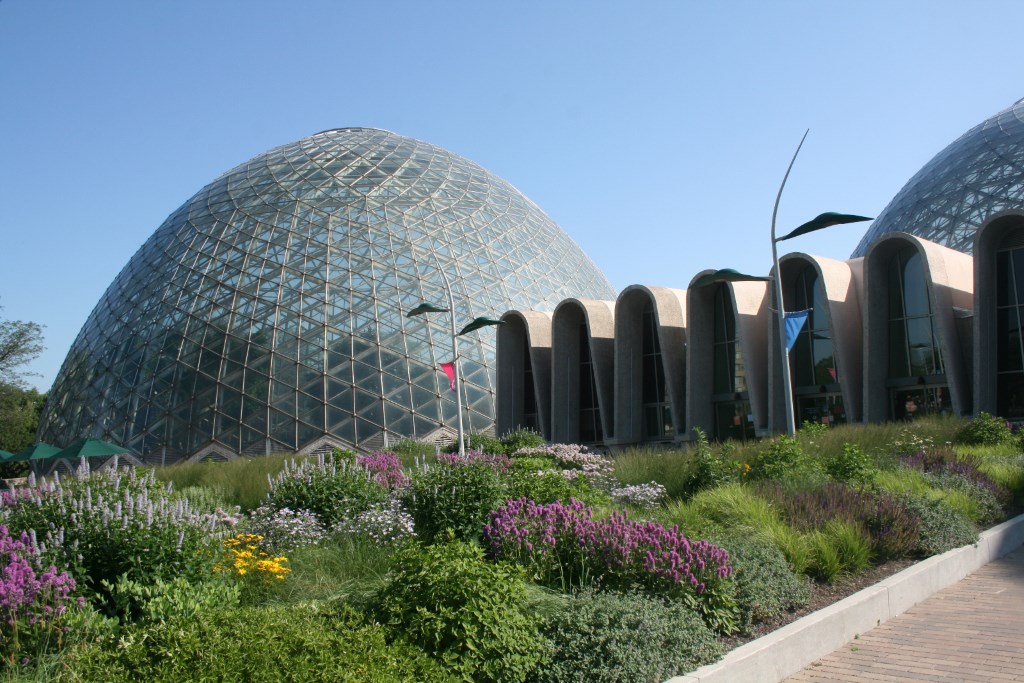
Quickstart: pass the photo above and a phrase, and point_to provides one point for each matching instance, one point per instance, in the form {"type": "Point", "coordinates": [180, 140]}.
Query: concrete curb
{"type": "Point", "coordinates": [795, 646]}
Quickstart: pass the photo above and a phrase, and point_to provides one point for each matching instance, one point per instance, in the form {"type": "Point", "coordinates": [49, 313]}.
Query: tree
{"type": "Point", "coordinates": [19, 416]}
{"type": "Point", "coordinates": [20, 342]}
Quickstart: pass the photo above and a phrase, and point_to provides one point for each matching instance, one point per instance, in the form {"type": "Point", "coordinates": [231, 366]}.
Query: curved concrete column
{"type": "Point", "coordinates": [598, 318]}
{"type": "Point", "coordinates": [525, 334]}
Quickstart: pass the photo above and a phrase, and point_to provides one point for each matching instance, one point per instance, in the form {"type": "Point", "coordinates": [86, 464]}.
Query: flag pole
{"type": "Point", "coordinates": [455, 361]}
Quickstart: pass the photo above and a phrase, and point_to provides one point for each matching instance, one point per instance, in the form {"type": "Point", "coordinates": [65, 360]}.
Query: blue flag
{"type": "Point", "coordinates": [794, 323]}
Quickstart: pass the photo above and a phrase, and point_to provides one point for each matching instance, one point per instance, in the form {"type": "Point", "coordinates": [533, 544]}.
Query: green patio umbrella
{"type": "Point", "coordinates": [6, 455]}
{"type": "Point", "coordinates": [39, 451]}
{"type": "Point", "coordinates": [91, 448]}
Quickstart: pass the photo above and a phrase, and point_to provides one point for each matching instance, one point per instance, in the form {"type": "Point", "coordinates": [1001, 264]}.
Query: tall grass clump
{"type": "Point", "coordinates": [241, 482]}
{"type": "Point", "coordinates": [673, 469]}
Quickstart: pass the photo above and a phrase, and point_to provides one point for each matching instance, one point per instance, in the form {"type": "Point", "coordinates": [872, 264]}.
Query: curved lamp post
{"type": "Point", "coordinates": [824, 220]}
{"type": "Point", "coordinates": [476, 324]}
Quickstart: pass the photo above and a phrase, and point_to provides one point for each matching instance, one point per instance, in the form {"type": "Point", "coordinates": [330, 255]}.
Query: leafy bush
{"type": "Point", "coordinates": [332, 489]}
{"type": "Point", "coordinates": [783, 459]}
{"type": "Point", "coordinates": [463, 610]}
{"type": "Point", "coordinates": [477, 441]}
{"type": "Point", "coordinates": [984, 430]}
{"type": "Point", "coordinates": [563, 546]}
{"type": "Point", "coordinates": [942, 527]}
{"type": "Point", "coordinates": [766, 585]}
{"type": "Point", "coordinates": [853, 466]}
{"type": "Point", "coordinates": [102, 525]}
{"type": "Point", "coordinates": [632, 637]}
{"type": "Point", "coordinates": [710, 470]}
{"type": "Point", "coordinates": [547, 486]}
{"type": "Point", "coordinates": [159, 600]}
{"type": "Point", "coordinates": [295, 643]}
{"type": "Point", "coordinates": [952, 473]}
{"type": "Point", "coordinates": [521, 438]}
{"type": "Point", "coordinates": [458, 497]}
{"type": "Point", "coordinates": [33, 601]}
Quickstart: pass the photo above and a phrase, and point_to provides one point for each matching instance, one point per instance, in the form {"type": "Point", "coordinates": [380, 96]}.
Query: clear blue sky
{"type": "Point", "coordinates": [655, 133]}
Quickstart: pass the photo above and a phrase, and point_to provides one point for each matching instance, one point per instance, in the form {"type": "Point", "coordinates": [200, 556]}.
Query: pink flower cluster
{"type": "Point", "coordinates": [386, 469]}
{"type": "Point", "coordinates": [29, 594]}
{"type": "Point", "coordinates": [565, 544]}
{"type": "Point", "coordinates": [499, 463]}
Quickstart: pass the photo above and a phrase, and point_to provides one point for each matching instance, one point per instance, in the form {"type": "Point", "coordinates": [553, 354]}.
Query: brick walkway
{"type": "Point", "coordinates": [971, 631]}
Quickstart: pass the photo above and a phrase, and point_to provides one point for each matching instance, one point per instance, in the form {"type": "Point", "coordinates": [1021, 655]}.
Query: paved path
{"type": "Point", "coordinates": [971, 631]}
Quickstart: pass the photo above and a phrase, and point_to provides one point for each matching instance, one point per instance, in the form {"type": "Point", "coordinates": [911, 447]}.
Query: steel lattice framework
{"type": "Point", "coordinates": [978, 175]}
{"type": "Point", "coordinates": [267, 312]}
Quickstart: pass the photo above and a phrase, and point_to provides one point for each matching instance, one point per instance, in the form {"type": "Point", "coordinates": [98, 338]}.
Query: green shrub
{"type": "Point", "coordinates": [456, 496]}
{"type": "Point", "coordinates": [984, 430]}
{"type": "Point", "coordinates": [853, 466]}
{"type": "Point", "coordinates": [709, 469]}
{"type": "Point", "coordinates": [766, 585]}
{"type": "Point", "coordinates": [633, 637]}
{"type": "Point", "coordinates": [332, 489]}
{"type": "Point", "coordinates": [157, 600]}
{"type": "Point", "coordinates": [825, 563]}
{"type": "Point", "coordinates": [783, 459]}
{"type": "Point", "coordinates": [466, 612]}
{"type": "Point", "coordinates": [477, 441]}
{"type": "Point", "coordinates": [549, 486]}
{"type": "Point", "coordinates": [521, 438]}
{"type": "Point", "coordinates": [301, 643]}
{"type": "Point", "coordinates": [942, 527]}
{"type": "Point", "coordinates": [102, 525]}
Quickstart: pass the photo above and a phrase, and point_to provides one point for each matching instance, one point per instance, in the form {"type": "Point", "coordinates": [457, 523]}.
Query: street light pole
{"type": "Point", "coordinates": [824, 220]}
{"type": "Point", "coordinates": [476, 324]}
{"type": "Point", "coordinates": [787, 388]}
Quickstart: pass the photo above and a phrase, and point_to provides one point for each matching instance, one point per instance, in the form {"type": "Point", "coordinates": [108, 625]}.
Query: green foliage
{"type": "Point", "coordinates": [784, 459]}
{"type": "Point", "coordinates": [984, 430]}
{"type": "Point", "coordinates": [521, 438]}
{"type": "Point", "coordinates": [549, 486]}
{"type": "Point", "coordinates": [853, 466]}
{"type": "Point", "coordinates": [852, 544]}
{"type": "Point", "coordinates": [467, 612]}
{"type": "Point", "coordinates": [766, 585]}
{"type": "Point", "coordinates": [242, 482]}
{"type": "Point", "coordinates": [477, 441]}
{"type": "Point", "coordinates": [813, 429]}
{"type": "Point", "coordinates": [20, 342]}
{"type": "Point", "coordinates": [158, 600]}
{"type": "Point", "coordinates": [297, 643]}
{"type": "Point", "coordinates": [709, 468]}
{"type": "Point", "coordinates": [632, 637]}
{"type": "Point", "coordinates": [19, 416]}
{"type": "Point", "coordinates": [408, 450]}
{"type": "Point", "coordinates": [458, 497]}
{"type": "Point", "coordinates": [111, 523]}
{"type": "Point", "coordinates": [333, 490]}
{"type": "Point", "coordinates": [942, 527]}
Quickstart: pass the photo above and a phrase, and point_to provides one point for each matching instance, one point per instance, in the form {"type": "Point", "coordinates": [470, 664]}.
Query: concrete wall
{"type": "Point", "coordinates": [523, 331]}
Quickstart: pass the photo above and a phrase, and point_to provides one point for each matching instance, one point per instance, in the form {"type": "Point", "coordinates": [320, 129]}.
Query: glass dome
{"type": "Point", "coordinates": [267, 312]}
{"type": "Point", "coordinates": [978, 175]}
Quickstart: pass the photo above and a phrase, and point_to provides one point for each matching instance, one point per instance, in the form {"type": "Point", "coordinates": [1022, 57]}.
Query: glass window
{"type": "Point", "coordinates": [913, 343]}
{"type": "Point", "coordinates": [657, 417]}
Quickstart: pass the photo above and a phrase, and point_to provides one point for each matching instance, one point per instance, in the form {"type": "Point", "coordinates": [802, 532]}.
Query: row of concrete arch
{"type": "Point", "coordinates": [541, 355]}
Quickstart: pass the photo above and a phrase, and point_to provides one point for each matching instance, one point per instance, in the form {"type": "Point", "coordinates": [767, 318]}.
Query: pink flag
{"type": "Point", "coordinates": [449, 370]}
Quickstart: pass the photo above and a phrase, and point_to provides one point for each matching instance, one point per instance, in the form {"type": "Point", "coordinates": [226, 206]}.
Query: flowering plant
{"type": "Point", "coordinates": [496, 461]}
{"type": "Point", "coordinates": [285, 529]}
{"type": "Point", "coordinates": [647, 496]}
{"type": "Point", "coordinates": [382, 525]}
{"type": "Point", "coordinates": [564, 546]}
{"type": "Point", "coordinates": [386, 469]}
{"type": "Point", "coordinates": [33, 599]}
{"type": "Point", "coordinates": [245, 558]}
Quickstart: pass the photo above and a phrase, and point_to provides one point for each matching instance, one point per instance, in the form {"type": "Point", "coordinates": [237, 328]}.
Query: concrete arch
{"type": "Point", "coordinates": [598, 317]}
{"type": "Point", "coordinates": [750, 305]}
{"type": "Point", "coordinates": [526, 335]}
{"type": "Point", "coordinates": [840, 281]}
{"type": "Point", "coordinates": [987, 241]}
{"type": "Point", "coordinates": [670, 315]}
{"type": "Point", "coordinates": [949, 280]}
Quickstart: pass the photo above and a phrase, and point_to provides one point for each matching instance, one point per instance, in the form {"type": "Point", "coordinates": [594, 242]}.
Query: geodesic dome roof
{"type": "Point", "coordinates": [267, 312]}
{"type": "Point", "coordinates": [978, 175]}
